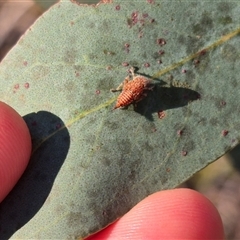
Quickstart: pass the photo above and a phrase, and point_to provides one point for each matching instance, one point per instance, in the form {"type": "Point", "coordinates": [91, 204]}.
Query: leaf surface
{"type": "Point", "coordinates": [91, 164]}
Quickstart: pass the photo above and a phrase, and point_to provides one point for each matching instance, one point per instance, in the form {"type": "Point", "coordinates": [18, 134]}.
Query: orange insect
{"type": "Point", "coordinates": [133, 90]}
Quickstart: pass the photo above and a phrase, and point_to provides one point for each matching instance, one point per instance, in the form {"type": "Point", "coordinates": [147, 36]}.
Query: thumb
{"type": "Point", "coordinates": [15, 148]}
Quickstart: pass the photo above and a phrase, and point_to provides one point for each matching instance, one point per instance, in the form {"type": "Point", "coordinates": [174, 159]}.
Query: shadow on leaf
{"type": "Point", "coordinates": [51, 141]}
{"type": "Point", "coordinates": [163, 98]}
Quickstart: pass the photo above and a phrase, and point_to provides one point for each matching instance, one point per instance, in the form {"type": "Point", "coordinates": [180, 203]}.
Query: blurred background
{"type": "Point", "coordinates": [220, 181]}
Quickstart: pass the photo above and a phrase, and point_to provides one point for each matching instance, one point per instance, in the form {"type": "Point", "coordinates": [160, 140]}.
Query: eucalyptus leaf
{"type": "Point", "coordinates": [91, 164]}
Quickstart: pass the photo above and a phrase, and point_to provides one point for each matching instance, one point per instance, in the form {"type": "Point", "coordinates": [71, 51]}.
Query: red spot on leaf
{"type": "Point", "coordinates": [180, 132]}
{"type": "Point", "coordinates": [202, 52]}
{"type": "Point", "coordinates": [224, 133]}
{"type": "Point", "coordinates": [118, 7]}
{"type": "Point", "coordinates": [109, 67]}
{"type": "Point", "coordinates": [26, 85]}
{"type": "Point", "coordinates": [161, 52]}
{"type": "Point", "coordinates": [146, 64]}
{"type": "Point", "coordinates": [125, 64]}
{"type": "Point", "coordinates": [223, 103]}
{"type": "Point", "coordinates": [126, 47]}
{"type": "Point", "coordinates": [161, 41]}
{"type": "Point", "coordinates": [134, 17]}
{"type": "Point", "coordinates": [16, 86]}
{"type": "Point", "coordinates": [184, 153]}
{"type": "Point", "coordinates": [196, 62]}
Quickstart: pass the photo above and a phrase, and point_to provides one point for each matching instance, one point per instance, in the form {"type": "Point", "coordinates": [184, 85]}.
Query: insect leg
{"type": "Point", "coordinates": [121, 86]}
{"type": "Point", "coordinates": [132, 71]}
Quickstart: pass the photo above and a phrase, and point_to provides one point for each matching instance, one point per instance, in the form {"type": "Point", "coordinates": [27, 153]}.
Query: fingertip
{"type": "Point", "coordinates": [15, 148]}
{"type": "Point", "coordinates": [170, 214]}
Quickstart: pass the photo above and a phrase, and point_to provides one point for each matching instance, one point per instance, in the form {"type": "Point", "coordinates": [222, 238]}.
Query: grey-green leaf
{"type": "Point", "coordinates": [91, 164]}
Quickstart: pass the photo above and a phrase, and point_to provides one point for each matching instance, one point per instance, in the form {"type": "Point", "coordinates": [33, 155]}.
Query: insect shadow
{"type": "Point", "coordinates": [163, 98]}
